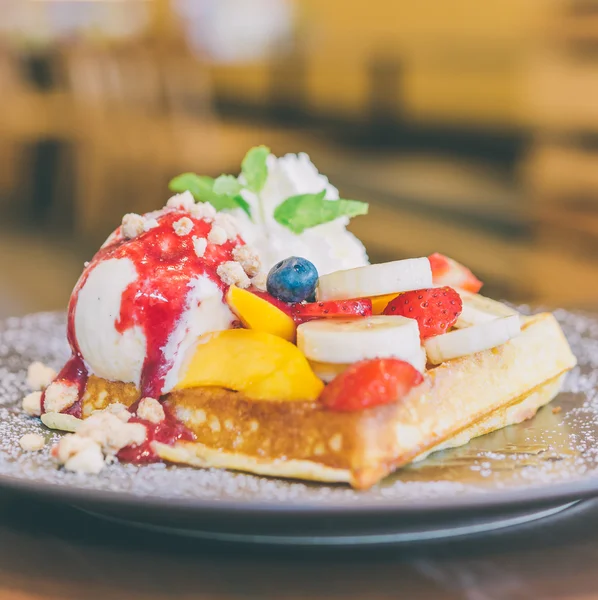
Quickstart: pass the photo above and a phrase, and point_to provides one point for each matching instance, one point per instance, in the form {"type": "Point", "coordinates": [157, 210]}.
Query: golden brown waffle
{"type": "Point", "coordinates": [458, 400]}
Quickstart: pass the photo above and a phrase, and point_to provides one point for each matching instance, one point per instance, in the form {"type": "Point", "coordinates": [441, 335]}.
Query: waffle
{"type": "Point", "coordinates": [459, 400]}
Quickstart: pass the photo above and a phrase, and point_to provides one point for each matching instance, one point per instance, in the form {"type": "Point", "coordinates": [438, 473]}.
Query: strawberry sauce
{"type": "Point", "coordinates": [73, 372]}
{"type": "Point", "coordinates": [169, 431]}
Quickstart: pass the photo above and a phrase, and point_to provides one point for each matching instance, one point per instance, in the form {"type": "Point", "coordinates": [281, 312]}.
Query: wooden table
{"type": "Point", "coordinates": [56, 552]}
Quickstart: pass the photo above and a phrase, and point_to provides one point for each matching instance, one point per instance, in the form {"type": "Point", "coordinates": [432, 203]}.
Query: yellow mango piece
{"type": "Point", "coordinates": [379, 303]}
{"type": "Point", "coordinates": [257, 363]}
{"type": "Point", "coordinates": [258, 314]}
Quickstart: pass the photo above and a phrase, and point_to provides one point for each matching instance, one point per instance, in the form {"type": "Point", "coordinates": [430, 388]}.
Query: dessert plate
{"type": "Point", "coordinates": [524, 472]}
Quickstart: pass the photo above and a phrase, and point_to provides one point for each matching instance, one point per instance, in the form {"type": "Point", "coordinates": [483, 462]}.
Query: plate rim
{"type": "Point", "coordinates": [487, 501]}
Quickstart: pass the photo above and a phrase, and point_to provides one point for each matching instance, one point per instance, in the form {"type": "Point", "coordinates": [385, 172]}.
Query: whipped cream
{"type": "Point", "coordinates": [329, 246]}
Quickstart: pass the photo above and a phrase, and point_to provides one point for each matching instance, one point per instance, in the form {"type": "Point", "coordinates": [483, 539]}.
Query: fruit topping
{"type": "Point", "coordinates": [347, 341]}
{"type": "Point", "coordinates": [331, 309]}
{"type": "Point", "coordinates": [376, 280]}
{"type": "Point", "coordinates": [261, 365]}
{"type": "Point", "coordinates": [259, 314]}
{"type": "Point", "coordinates": [436, 310]}
{"type": "Point", "coordinates": [379, 303]}
{"type": "Point", "coordinates": [446, 271]}
{"type": "Point", "coordinates": [293, 279]}
{"type": "Point", "coordinates": [470, 340]}
{"type": "Point", "coordinates": [371, 383]}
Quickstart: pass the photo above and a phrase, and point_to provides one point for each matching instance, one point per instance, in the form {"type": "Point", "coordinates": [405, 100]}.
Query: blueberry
{"type": "Point", "coordinates": [292, 280]}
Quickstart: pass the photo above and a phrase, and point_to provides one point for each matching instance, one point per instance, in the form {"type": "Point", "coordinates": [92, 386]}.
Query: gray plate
{"type": "Point", "coordinates": [517, 473]}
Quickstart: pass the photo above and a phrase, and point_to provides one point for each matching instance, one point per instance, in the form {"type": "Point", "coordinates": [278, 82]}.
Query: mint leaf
{"type": "Point", "coordinates": [227, 185]}
{"type": "Point", "coordinates": [200, 186]}
{"type": "Point", "coordinates": [299, 213]}
{"type": "Point", "coordinates": [242, 203]}
{"type": "Point", "coordinates": [202, 189]}
{"type": "Point", "coordinates": [254, 168]}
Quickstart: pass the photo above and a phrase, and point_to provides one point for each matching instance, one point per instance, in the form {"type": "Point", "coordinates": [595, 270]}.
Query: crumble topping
{"type": "Point", "coordinates": [60, 396]}
{"type": "Point", "coordinates": [232, 273]}
{"type": "Point", "coordinates": [151, 410]}
{"type": "Point", "coordinates": [32, 442]}
{"type": "Point", "coordinates": [182, 201]}
{"type": "Point", "coordinates": [183, 226]}
{"type": "Point", "coordinates": [39, 376]}
{"type": "Point", "coordinates": [120, 410]}
{"type": "Point", "coordinates": [111, 432]}
{"type": "Point", "coordinates": [79, 454]}
{"type": "Point", "coordinates": [229, 224]}
{"type": "Point", "coordinates": [132, 225]}
{"type": "Point", "coordinates": [32, 404]}
{"type": "Point", "coordinates": [249, 259]}
{"type": "Point", "coordinates": [259, 281]}
{"type": "Point", "coordinates": [217, 235]}
{"type": "Point", "coordinates": [203, 210]}
{"type": "Point", "coordinates": [199, 245]}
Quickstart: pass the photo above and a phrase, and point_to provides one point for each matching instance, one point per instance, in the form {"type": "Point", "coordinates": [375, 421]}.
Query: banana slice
{"type": "Point", "coordinates": [345, 341]}
{"type": "Point", "coordinates": [328, 371]}
{"type": "Point", "coordinates": [376, 280]}
{"type": "Point", "coordinates": [473, 339]}
{"type": "Point", "coordinates": [478, 309]}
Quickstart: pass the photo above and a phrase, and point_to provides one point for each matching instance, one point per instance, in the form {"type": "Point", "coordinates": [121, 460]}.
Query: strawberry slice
{"type": "Point", "coordinates": [436, 309]}
{"type": "Point", "coordinates": [361, 307]}
{"type": "Point", "coordinates": [446, 271]}
{"type": "Point", "coordinates": [371, 383]}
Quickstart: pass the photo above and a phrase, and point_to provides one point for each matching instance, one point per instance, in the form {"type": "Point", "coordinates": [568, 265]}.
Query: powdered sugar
{"type": "Point", "coordinates": [549, 449]}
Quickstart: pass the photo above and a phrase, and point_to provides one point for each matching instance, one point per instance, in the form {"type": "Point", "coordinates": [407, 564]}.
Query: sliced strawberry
{"type": "Point", "coordinates": [286, 308]}
{"type": "Point", "coordinates": [309, 311]}
{"type": "Point", "coordinates": [371, 383]}
{"type": "Point", "coordinates": [436, 309]}
{"type": "Point", "coordinates": [446, 271]}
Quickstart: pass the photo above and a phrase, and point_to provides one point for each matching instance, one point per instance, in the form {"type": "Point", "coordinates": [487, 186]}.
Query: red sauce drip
{"type": "Point", "coordinates": [73, 372]}
{"type": "Point", "coordinates": [166, 264]}
{"type": "Point", "coordinates": [168, 431]}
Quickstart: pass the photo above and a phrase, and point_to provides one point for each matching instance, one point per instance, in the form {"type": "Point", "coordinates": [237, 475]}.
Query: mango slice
{"type": "Point", "coordinates": [257, 363]}
{"type": "Point", "coordinates": [379, 303]}
{"type": "Point", "coordinates": [258, 314]}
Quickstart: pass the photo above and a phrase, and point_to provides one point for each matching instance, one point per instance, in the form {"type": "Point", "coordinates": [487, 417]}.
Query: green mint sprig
{"type": "Point", "coordinates": [296, 213]}
{"type": "Point", "coordinates": [304, 211]}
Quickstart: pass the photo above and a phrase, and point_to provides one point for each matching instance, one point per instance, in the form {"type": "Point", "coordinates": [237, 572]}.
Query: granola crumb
{"type": "Point", "coordinates": [39, 376]}
{"type": "Point", "coordinates": [199, 245]}
{"type": "Point", "coordinates": [203, 210]}
{"type": "Point", "coordinates": [217, 235]}
{"type": "Point", "coordinates": [60, 396]}
{"type": "Point", "coordinates": [259, 281]}
{"type": "Point", "coordinates": [32, 442]}
{"type": "Point", "coordinates": [229, 224]}
{"type": "Point", "coordinates": [132, 225]}
{"type": "Point", "coordinates": [183, 226]}
{"type": "Point", "coordinates": [32, 404]}
{"type": "Point", "coordinates": [182, 201]}
{"type": "Point", "coordinates": [249, 259]}
{"type": "Point", "coordinates": [110, 432]}
{"type": "Point", "coordinates": [232, 273]}
{"type": "Point", "coordinates": [151, 410]}
{"type": "Point", "coordinates": [556, 410]}
{"type": "Point", "coordinates": [79, 454]}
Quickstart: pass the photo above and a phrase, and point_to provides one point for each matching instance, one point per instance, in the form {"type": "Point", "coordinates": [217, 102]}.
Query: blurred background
{"type": "Point", "coordinates": [471, 127]}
